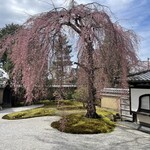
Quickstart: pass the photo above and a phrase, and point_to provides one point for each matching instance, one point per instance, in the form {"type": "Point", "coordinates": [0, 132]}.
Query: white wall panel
{"type": "Point", "coordinates": [135, 94]}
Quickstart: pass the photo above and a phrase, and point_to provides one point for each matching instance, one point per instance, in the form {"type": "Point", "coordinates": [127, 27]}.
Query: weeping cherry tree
{"type": "Point", "coordinates": [94, 33]}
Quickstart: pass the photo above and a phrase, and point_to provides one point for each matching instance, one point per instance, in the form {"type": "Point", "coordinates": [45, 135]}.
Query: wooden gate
{"type": "Point", "coordinates": [125, 109]}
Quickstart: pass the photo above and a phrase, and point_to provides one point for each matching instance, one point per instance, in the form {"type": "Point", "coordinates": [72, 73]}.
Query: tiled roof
{"type": "Point", "coordinates": [140, 77]}
{"type": "Point", "coordinates": [67, 86]}
{"type": "Point", "coordinates": [115, 90]}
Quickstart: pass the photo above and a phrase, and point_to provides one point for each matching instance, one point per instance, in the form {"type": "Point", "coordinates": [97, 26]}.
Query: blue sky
{"type": "Point", "coordinates": [131, 14]}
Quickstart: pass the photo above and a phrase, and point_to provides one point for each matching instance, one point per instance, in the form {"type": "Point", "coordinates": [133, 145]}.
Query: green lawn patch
{"type": "Point", "coordinates": [79, 124]}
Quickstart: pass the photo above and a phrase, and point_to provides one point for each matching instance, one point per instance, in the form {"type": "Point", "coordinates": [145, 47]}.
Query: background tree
{"type": "Point", "coordinates": [90, 23]}
{"type": "Point", "coordinates": [81, 95]}
{"type": "Point", "coordinates": [6, 31]}
{"type": "Point", "coordinates": [60, 65]}
{"type": "Point", "coordinates": [9, 29]}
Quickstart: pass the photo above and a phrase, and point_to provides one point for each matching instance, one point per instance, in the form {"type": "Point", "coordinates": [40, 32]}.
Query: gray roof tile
{"type": "Point", "coordinates": [140, 77]}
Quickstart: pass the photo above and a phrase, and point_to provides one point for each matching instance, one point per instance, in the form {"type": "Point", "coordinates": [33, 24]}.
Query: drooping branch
{"type": "Point", "coordinates": [74, 27]}
{"type": "Point", "coordinates": [82, 66]}
{"type": "Point", "coordinates": [104, 47]}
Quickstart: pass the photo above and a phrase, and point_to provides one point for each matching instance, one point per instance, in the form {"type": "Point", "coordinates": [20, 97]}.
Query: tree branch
{"type": "Point", "coordinates": [82, 66]}
{"type": "Point", "coordinates": [72, 26]}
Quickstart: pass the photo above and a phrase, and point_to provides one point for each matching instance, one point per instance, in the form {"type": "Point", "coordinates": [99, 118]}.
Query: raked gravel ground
{"type": "Point", "coordinates": [37, 134]}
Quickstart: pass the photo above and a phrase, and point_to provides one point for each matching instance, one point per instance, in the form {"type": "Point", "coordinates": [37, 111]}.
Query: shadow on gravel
{"type": "Point", "coordinates": [60, 141]}
{"type": "Point", "coordinates": [135, 143]}
{"type": "Point", "coordinates": [134, 126]}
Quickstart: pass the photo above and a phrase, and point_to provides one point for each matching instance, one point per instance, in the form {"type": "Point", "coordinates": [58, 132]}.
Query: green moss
{"type": "Point", "coordinates": [106, 113]}
{"type": "Point", "coordinates": [78, 124]}
{"type": "Point", "coordinates": [73, 120]}
{"type": "Point", "coordinates": [69, 102]}
{"type": "Point", "coordinates": [36, 112]}
{"type": "Point", "coordinates": [69, 105]}
{"type": "Point", "coordinates": [73, 117]}
{"type": "Point", "coordinates": [46, 102]}
{"type": "Point", "coordinates": [62, 104]}
{"type": "Point", "coordinates": [48, 109]}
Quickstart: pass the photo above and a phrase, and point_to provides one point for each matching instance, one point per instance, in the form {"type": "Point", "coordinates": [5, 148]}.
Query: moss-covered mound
{"type": "Point", "coordinates": [106, 113]}
{"type": "Point", "coordinates": [79, 124]}
{"type": "Point", "coordinates": [36, 112]}
{"type": "Point", "coordinates": [69, 105]}
{"type": "Point", "coordinates": [46, 102]}
{"type": "Point", "coordinates": [50, 108]}
{"type": "Point", "coordinates": [62, 104]}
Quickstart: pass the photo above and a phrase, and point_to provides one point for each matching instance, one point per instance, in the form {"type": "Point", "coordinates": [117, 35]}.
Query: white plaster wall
{"type": "Point", "coordinates": [142, 118]}
{"type": "Point", "coordinates": [135, 94]}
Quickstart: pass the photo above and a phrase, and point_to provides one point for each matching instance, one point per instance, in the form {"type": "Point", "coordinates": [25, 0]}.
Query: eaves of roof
{"type": "Point", "coordinates": [140, 77]}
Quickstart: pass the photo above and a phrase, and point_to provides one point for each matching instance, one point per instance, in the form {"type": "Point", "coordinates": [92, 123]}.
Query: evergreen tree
{"type": "Point", "coordinates": [9, 29]}
{"type": "Point", "coordinates": [61, 64]}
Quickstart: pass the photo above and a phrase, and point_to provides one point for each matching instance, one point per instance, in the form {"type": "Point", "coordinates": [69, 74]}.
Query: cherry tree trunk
{"type": "Point", "coordinates": [91, 107]}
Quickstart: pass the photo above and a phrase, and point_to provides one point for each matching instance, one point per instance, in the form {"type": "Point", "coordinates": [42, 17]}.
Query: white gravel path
{"type": "Point", "coordinates": [36, 134]}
